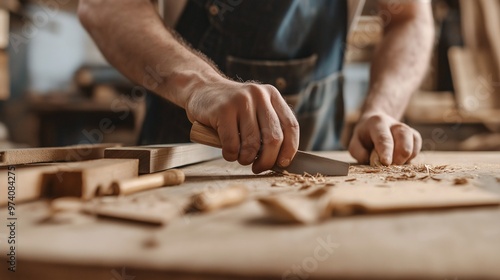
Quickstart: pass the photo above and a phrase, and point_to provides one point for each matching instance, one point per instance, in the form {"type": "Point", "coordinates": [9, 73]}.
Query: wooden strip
{"type": "Point", "coordinates": [38, 155]}
{"type": "Point", "coordinates": [157, 158]}
{"type": "Point", "coordinates": [83, 179]}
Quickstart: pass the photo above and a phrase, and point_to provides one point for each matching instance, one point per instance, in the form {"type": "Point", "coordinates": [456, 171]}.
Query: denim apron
{"type": "Point", "coordinates": [295, 45]}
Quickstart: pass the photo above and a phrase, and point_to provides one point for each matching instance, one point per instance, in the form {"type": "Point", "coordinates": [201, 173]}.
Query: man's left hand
{"type": "Point", "coordinates": [394, 141]}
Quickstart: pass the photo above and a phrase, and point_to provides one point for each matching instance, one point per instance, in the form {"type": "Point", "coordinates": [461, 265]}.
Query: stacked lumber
{"type": "Point", "coordinates": [4, 42]}
{"type": "Point", "coordinates": [475, 67]}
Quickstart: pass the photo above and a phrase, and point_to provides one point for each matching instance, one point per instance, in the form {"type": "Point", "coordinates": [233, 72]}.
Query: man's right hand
{"type": "Point", "coordinates": [254, 123]}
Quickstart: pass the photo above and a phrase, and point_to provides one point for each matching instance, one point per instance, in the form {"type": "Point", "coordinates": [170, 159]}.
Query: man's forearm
{"type": "Point", "coordinates": [132, 37]}
{"type": "Point", "coordinates": [254, 123]}
{"type": "Point", "coordinates": [400, 61]}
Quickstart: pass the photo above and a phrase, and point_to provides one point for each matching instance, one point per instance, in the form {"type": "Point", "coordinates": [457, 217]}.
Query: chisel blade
{"type": "Point", "coordinates": [313, 164]}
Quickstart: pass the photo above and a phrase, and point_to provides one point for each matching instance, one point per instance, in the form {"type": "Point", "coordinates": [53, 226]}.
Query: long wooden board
{"type": "Point", "coordinates": [156, 158]}
{"type": "Point", "coordinates": [40, 155]}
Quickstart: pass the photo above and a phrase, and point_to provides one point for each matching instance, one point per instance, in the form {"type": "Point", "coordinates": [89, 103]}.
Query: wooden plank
{"type": "Point", "coordinates": [491, 12]}
{"type": "Point", "coordinates": [83, 179]}
{"type": "Point", "coordinates": [39, 155]}
{"type": "Point", "coordinates": [156, 158]}
{"type": "Point", "coordinates": [4, 76]}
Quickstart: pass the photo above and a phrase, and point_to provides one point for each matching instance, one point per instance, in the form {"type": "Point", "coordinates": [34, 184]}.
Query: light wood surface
{"type": "Point", "coordinates": [156, 158]}
{"type": "Point", "coordinates": [241, 241]}
{"type": "Point", "coordinates": [83, 179]}
{"type": "Point", "coordinates": [39, 155]}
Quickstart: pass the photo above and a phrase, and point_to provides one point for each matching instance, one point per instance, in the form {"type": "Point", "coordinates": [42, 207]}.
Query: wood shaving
{"type": "Point", "coordinates": [303, 182]}
{"type": "Point", "coordinates": [410, 172]}
{"type": "Point", "coordinates": [460, 181]}
{"type": "Point", "coordinates": [350, 180]}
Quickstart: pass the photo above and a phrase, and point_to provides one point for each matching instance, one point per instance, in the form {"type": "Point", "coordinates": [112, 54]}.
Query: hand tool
{"type": "Point", "coordinates": [302, 162]}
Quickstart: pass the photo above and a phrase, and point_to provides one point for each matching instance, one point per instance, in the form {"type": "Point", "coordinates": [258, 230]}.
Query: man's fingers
{"type": "Point", "coordinates": [290, 127]}
{"type": "Point", "coordinates": [403, 143]}
{"type": "Point", "coordinates": [229, 137]}
{"type": "Point", "coordinates": [382, 139]}
{"type": "Point", "coordinates": [272, 138]}
{"type": "Point", "coordinates": [250, 138]}
{"type": "Point", "coordinates": [417, 144]}
{"type": "Point", "coordinates": [358, 151]}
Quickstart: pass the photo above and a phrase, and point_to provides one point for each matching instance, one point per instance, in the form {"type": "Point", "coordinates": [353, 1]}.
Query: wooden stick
{"type": "Point", "coordinates": [146, 182]}
{"type": "Point", "coordinates": [38, 155]}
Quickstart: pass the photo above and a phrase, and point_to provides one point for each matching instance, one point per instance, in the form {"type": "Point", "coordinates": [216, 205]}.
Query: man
{"type": "Point", "coordinates": [296, 45]}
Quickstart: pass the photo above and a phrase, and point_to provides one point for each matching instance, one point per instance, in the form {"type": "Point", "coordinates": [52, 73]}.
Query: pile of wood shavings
{"type": "Point", "coordinates": [303, 182]}
{"type": "Point", "coordinates": [419, 172]}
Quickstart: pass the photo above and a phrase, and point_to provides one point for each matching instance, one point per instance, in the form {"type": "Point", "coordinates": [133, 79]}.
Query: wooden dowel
{"type": "Point", "coordinates": [170, 177]}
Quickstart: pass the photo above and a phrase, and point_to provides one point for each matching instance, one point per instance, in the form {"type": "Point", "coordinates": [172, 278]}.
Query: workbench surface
{"type": "Point", "coordinates": [241, 242]}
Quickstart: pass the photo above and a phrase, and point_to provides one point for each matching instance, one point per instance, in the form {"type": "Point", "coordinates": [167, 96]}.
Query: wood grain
{"type": "Point", "coordinates": [82, 179]}
{"type": "Point", "coordinates": [156, 158]}
{"type": "Point", "coordinates": [40, 155]}
{"type": "Point", "coordinates": [29, 181]}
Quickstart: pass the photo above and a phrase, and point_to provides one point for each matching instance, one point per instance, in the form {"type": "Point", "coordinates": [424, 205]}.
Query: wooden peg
{"type": "Point", "coordinates": [146, 182]}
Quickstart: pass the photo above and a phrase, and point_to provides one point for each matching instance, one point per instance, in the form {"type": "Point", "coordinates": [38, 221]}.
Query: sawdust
{"type": "Point", "coordinates": [303, 182]}
{"type": "Point", "coordinates": [410, 172]}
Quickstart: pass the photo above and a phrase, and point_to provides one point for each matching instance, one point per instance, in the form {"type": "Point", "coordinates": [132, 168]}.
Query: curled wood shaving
{"type": "Point", "coordinates": [410, 172]}
{"type": "Point", "coordinates": [303, 182]}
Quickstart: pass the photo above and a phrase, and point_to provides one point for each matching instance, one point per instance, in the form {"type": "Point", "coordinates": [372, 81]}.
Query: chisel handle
{"type": "Point", "coordinates": [205, 135]}
{"type": "Point", "coordinates": [170, 177]}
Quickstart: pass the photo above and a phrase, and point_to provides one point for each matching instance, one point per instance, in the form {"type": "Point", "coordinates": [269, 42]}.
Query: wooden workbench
{"type": "Point", "coordinates": [241, 242]}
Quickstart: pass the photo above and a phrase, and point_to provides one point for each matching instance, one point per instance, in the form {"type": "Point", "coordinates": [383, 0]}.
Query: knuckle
{"type": "Point", "coordinates": [384, 140]}
{"type": "Point", "coordinates": [273, 138]}
{"type": "Point", "coordinates": [405, 152]}
{"type": "Point", "coordinates": [375, 119]}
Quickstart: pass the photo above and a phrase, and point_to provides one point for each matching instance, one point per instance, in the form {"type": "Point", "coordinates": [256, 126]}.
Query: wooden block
{"type": "Point", "coordinates": [38, 155]}
{"type": "Point", "coordinates": [29, 182]}
{"type": "Point", "coordinates": [156, 158]}
{"type": "Point", "coordinates": [82, 179]}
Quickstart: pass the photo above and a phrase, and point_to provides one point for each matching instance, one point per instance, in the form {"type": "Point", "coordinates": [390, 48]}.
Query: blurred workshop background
{"type": "Point", "coordinates": [56, 88]}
